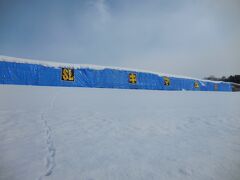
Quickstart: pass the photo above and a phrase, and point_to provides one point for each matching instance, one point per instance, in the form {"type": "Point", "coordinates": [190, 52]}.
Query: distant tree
{"type": "Point", "coordinates": [223, 78]}
{"type": "Point", "coordinates": [212, 77]}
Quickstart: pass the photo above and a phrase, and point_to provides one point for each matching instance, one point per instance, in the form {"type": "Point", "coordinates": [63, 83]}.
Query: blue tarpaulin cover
{"type": "Point", "coordinates": [40, 74]}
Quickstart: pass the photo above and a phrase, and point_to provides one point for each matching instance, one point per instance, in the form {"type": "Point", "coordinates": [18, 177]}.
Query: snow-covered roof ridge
{"type": "Point", "coordinates": [89, 66]}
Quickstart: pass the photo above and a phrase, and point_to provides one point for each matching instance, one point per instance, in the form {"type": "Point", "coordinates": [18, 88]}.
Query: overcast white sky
{"type": "Point", "coordinates": [186, 37]}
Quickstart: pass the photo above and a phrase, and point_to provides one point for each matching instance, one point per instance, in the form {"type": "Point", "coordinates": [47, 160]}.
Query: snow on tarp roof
{"type": "Point", "coordinates": [89, 66]}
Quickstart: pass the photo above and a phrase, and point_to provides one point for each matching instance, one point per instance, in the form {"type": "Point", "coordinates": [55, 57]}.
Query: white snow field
{"type": "Point", "coordinates": [104, 134]}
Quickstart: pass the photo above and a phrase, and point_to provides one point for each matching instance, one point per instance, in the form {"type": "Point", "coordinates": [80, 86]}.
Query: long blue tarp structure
{"type": "Point", "coordinates": [39, 73]}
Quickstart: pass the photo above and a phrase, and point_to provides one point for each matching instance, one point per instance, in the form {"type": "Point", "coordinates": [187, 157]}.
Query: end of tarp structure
{"type": "Point", "coordinates": [235, 87]}
{"type": "Point", "coordinates": [41, 73]}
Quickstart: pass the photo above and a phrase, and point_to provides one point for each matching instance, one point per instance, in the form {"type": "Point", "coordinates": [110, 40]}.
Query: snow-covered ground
{"type": "Point", "coordinates": [103, 134]}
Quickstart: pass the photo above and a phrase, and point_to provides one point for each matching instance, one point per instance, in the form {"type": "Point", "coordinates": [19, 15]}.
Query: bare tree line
{"type": "Point", "coordinates": [232, 78]}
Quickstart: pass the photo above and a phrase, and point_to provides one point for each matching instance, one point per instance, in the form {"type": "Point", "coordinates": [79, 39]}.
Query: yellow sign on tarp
{"type": "Point", "coordinates": [67, 74]}
{"type": "Point", "coordinates": [166, 81]}
{"type": "Point", "coordinates": [196, 84]}
{"type": "Point", "coordinates": [132, 78]}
